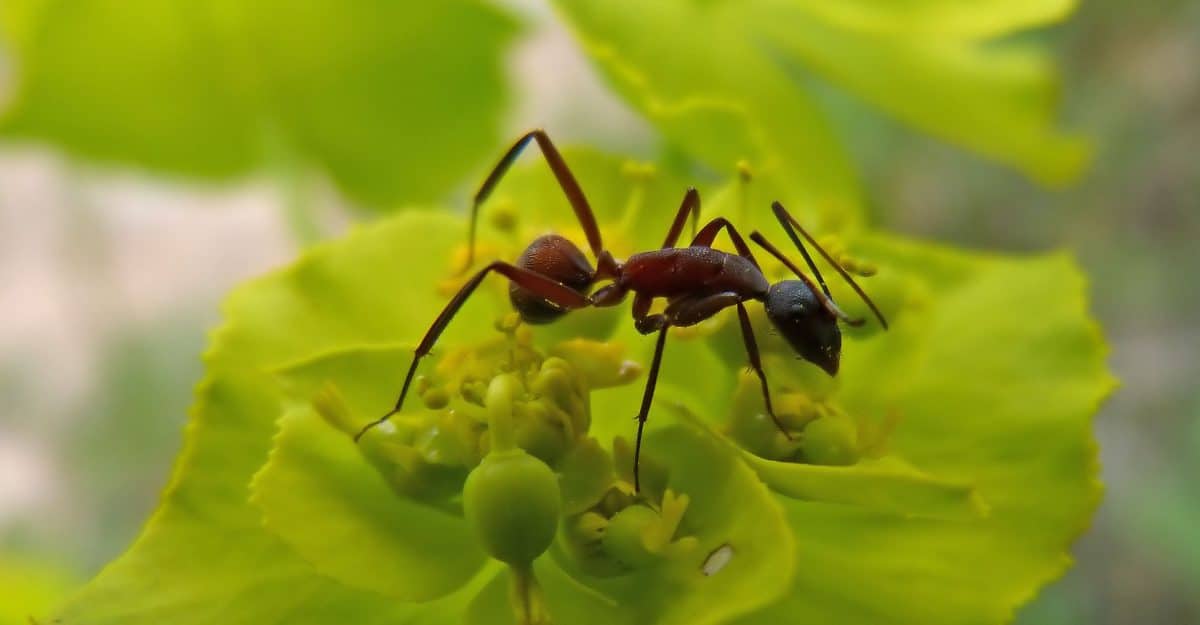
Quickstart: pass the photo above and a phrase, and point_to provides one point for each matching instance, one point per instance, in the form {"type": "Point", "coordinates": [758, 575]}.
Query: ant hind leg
{"type": "Point", "coordinates": [554, 292]}
{"type": "Point", "coordinates": [562, 173]}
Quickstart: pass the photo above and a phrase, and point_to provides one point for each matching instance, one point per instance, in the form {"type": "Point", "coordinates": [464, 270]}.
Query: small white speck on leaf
{"type": "Point", "coordinates": [717, 560]}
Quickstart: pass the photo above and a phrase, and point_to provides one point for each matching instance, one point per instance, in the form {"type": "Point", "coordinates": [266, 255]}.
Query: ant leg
{"type": "Point", "coordinates": [647, 399]}
{"type": "Point", "coordinates": [562, 173]}
{"type": "Point", "coordinates": [554, 292]}
{"type": "Point", "coordinates": [686, 311]}
{"type": "Point", "coordinates": [709, 233]}
{"type": "Point", "coordinates": [787, 221]}
{"type": "Point", "coordinates": [756, 364]}
{"type": "Point", "coordinates": [690, 206]}
{"type": "Point", "coordinates": [642, 319]}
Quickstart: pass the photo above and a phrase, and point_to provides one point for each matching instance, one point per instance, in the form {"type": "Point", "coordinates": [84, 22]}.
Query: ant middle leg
{"type": "Point", "coordinates": [679, 312]}
{"type": "Point", "coordinates": [708, 234]}
{"type": "Point", "coordinates": [689, 207]}
{"type": "Point", "coordinates": [705, 239]}
{"type": "Point", "coordinates": [647, 399]}
{"type": "Point", "coordinates": [551, 291]}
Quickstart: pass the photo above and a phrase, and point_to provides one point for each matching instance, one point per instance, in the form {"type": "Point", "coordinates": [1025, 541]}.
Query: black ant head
{"type": "Point", "coordinates": [809, 327]}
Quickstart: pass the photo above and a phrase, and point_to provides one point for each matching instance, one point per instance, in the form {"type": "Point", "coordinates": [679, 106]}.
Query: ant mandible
{"type": "Point", "coordinates": [552, 277]}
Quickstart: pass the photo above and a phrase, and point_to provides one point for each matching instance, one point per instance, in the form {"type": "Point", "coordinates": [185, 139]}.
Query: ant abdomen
{"type": "Point", "coordinates": [556, 258]}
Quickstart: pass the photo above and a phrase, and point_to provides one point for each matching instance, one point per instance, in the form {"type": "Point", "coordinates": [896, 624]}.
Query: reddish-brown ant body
{"type": "Point", "coordinates": [553, 277]}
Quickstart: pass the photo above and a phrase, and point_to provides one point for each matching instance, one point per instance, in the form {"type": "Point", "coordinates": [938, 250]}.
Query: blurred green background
{"type": "Point", "coordinates": [110, 275]}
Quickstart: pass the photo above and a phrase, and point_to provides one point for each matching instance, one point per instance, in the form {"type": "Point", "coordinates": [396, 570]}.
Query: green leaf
{"type": "Point", "coordinates": [992, 366]}
{"type": "Point", "coordinates": [29, 589]}
{"type": "Point", "coordinates": [887, 484]}
{"type": "Point", "coordinates": [366, 90]}
{"type": "Point", "coordinates": [320, 496]}
{"type": "Point", "coordinates": [728, 508]}
{"type": "Point", "coordinates": [996, 395]}
{"type": "Point", "coordinates": [883, 484]}
{"type": "Point", "coordinates": [728, 81]}
{"type": "Point", "coordinates": [205, 556]}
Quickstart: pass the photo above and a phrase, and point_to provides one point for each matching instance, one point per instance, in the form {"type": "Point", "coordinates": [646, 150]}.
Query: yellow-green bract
{"type": "Point", "coordinates": [992, 392]}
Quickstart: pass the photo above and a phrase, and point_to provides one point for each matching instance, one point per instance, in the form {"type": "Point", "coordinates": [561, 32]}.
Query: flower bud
{"type": "Point", "coordinates": [512, 499]}
{"type": "Point", "coordinates": [625, 539]}
{"type": "Point", "coordinates": [830, 440]}
{"type": "Point", "coordinates": [751, 426]}
{"type": "Point", "coordinates": [543, 431]}
{"type": "Point", "coordinates": [639, 536]}
{"type": "Point", "coordinates": [602, 364]}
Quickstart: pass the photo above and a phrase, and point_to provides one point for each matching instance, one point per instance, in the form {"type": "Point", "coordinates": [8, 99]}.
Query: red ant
{"type": "Point", "coordinates": [552, 277]}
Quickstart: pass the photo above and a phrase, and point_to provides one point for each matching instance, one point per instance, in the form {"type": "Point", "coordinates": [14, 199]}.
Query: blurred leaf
{"type": "Point", "coordinates": [29, 589]}
{"type": "Point", "coordinates": [699, 72]}
{"type": "Point", "coordinates": [728, 81]}
{"type": "Point", "coordinates": [136, 411]}
{"type": "Point", "coordinates": [942, 18]}
{"type": "Point", "coordinates": [367, 90]}
{"type": "Point", "coordinates": [997, 99]}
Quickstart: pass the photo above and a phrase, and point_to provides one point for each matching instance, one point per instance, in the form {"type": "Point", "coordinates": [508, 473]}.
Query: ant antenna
{"type": "Point", "coordinates": [787, 221]}
{"type": "Point", "coordinates": [827, 301]}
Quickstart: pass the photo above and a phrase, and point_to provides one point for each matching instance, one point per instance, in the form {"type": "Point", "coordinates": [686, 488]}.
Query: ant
{"type": "Point", "coordinates": [552, 277]}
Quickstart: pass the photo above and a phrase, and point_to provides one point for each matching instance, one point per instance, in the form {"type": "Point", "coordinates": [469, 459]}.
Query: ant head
{"type": "Point", "coordinates": [809, 327]}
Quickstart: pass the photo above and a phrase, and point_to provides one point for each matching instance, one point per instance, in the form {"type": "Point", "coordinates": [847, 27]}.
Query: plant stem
{"type": "Point", "coordinates": [525, 595]}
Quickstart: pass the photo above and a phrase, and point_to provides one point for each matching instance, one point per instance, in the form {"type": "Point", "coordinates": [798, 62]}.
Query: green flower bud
{"type": "Point", "coordinates": [626, 536]}
{"type": "Point", "coordinates": [601, 363]}
{"type": "Point", "coordinates": [512, 499]}
{"type": "Point", "coordinates": [751, 426]}
{"type": "Point", "coordinates": [560, 384]}
{"type": "Point", "coordinates": [585, 476]}
{"type": "Point", "coordinates": [432, 472]}
{"type": "Point", "coordinates": [411, 476]}
{"type": "Point", "coordinates": [541, 431]}
{"type": "Point", "coordinates": [830, 440]}
{"type": "Point", "coordinates": [639, 536]}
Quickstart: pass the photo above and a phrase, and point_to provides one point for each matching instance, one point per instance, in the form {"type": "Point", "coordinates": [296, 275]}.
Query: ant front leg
{"type": "Point", "coordinates": [554, 292]}
{"type": "Point", "coordinates": [756, 365]}
{"type": "Point", "coordinates": [705, 239]}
